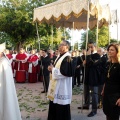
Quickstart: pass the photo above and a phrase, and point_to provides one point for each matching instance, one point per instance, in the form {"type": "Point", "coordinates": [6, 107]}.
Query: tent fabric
{"type": "Point", "coordinates": [64, 12]}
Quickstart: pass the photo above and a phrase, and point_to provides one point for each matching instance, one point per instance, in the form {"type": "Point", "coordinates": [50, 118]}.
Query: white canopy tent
{"type": "Point", "coordinates": [74, 14]}
{"type": "Point", "coordinates": [63, 13]}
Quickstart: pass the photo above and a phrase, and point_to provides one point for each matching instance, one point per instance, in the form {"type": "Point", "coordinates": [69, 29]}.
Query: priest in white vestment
{"type": "Point", "coordinates": [60, 86]}
{"type": "Point", "coordinates": [9, 107]}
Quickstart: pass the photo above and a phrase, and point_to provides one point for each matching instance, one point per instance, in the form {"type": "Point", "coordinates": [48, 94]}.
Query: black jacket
{"type": "Point", "coordinates": [44, 63]}
{"type": "Point", "coordinates": [91, 70]}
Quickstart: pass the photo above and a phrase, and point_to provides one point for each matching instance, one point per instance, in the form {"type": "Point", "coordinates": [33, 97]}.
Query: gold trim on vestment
{"type": "Point", "coordinates": [53, 82]}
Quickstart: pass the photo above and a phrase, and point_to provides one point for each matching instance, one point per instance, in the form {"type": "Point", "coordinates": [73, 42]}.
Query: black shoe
{"type": "Point", "coordinates": [84, 107]}
{"type": "Point", "coordinates": [91, 114]}
{"type": "Point", "coordinates": [43, 92]}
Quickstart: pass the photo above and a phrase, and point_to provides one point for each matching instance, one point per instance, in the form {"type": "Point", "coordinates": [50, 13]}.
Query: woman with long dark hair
{"type": "Point", "coordinates": [111, 89]}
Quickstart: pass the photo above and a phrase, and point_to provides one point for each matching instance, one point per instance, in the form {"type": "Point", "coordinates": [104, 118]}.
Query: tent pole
{"type": "Point", "coordinates": [87, 27]}
{"type": "Point", "coordinates": [41, 62]}
{"type": "Point", "coordinates": [72, 36]}
{"type": "Point", "coordinates": [109, 34]}
{"type": "Point", "coordinates": [117, 24]}
{"type": "Point", "coordinates": [52, 37]}
{"type": "Point", "coordinates": [38, 35]}
{"type": "Point", "coordinates": [97, 27]}
{"type": "Point", "coordinates": [88, 15]}
{"type": "Point", "coordinates": [97, 30]}
{"type": "Point", "coordinates": [64, 34]}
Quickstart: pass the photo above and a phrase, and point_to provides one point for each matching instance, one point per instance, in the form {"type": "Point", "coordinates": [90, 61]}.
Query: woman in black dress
{"type": "Point", "coordinates": [111, 89]}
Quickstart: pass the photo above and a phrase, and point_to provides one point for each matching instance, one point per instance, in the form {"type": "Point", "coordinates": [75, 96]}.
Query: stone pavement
{"type": "Point", "coordinates": [34, 105]}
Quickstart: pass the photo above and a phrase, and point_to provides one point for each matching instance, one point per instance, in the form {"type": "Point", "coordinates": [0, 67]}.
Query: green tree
{"type": "Point", "coordinates": [114, 41]}
{"type": "Point", "coordinates": [5, 38]}
{"type": "Point", "coordinates": [16, 20]}
{"type": "Point", "coordinates": [103, 37]}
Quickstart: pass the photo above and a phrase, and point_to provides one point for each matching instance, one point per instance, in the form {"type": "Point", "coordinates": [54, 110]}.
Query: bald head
{"type": "Point", "coordinates": [100, 51]}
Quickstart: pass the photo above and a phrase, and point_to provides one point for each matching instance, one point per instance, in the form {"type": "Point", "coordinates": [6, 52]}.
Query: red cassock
{"type": "Point", "coordinates": [32, 68]}
{"type": "Point", "coordinates": [9, 56]}
{"type": "Point", "coordinates": [20, 67]}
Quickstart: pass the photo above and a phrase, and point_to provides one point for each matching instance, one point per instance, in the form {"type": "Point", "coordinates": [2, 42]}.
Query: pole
{"type": "Point", "coordinates": [64, 34]}
{"type": "Point", "coordinates": [109, 34]}
{"type": "Point", "coordinates": [72, 43]}
{"type": "Point", "coordinates": [38, 35]}
{"type": "Point", "coordinates": [52, 37]}
{"type": "Point", "coordinates": [117, 25]}
{"type": "Point", "coordinates": [97, 26]}
{"type": "Point", "coordinates": [97, 30]}
{"type": "Point", "coordinates": [86, 49]}
{"type": "Point", "coordinates": [44, 83]}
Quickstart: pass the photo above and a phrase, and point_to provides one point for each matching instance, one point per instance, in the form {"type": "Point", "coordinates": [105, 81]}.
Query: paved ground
{"type": "Point", "coordinates": [34, 105]}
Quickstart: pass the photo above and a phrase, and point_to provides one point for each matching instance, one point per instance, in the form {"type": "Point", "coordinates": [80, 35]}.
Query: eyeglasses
{"type": "Point", "coordinates": [61, 45]}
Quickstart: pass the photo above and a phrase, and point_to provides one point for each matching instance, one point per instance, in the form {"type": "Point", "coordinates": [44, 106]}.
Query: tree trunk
{"type": "Point", "coordinates": [18, 46]}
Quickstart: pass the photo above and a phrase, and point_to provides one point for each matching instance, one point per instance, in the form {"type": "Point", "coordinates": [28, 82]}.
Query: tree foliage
{"type": "Point", "coordinates": [103, 37]}
{"type": "Point", "coordinates": [16, 21]}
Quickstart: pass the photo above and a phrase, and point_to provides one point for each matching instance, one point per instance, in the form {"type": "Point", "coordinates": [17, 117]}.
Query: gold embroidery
{"type": "Point", "coordinates": [53, 82]}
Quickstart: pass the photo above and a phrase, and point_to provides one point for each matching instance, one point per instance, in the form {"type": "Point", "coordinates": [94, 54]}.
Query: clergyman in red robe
{"type": "Point", "coordinates": [20, 66]}
{"type": "Point", "coordinates": [32, 67]}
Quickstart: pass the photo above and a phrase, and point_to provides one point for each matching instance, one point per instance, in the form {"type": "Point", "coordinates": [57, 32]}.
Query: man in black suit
{"type": "Point", "coordinates": [74, 64]}
{"type": "Point", "coordinates": [78, 70]}
{"type": "Point", "coordinates": [55, 55]}
{"type": "Point", "coordinates": [102, 71]}
{"type": "Point", "coordinates": [91, 81]}
{"type": "Point", "coordinates": [82, 57]}
{"type": "Point", "coordinates": [45, 62]}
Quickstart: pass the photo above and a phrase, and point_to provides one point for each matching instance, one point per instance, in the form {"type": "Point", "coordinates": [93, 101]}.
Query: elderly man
{"type": "Point", "coordinates": [9, 107]}
{"type": "Point", "coordinates": [60, 87]}
{"type": "Point", "coordinates": [102, 71]}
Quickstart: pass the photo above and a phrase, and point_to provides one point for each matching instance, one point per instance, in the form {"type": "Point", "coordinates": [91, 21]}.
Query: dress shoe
{"type": "Point", "coordinates": [43, 92]}
{"type": "Point", "coordinates": [84, 107]}
{"type": "Point", "coordinates": [91, 114]}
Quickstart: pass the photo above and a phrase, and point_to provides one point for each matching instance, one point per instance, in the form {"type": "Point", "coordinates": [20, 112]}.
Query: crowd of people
{"type": "Point", "coordinates": [60, 71]}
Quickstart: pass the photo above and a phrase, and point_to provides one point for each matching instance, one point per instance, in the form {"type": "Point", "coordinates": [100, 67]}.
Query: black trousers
{"type": "Point", "coordinates": [78, 79]}
{"type": "Point", "coordinates": [59, 112]}
{"type": "Point", "coordinates": [46, 82]}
